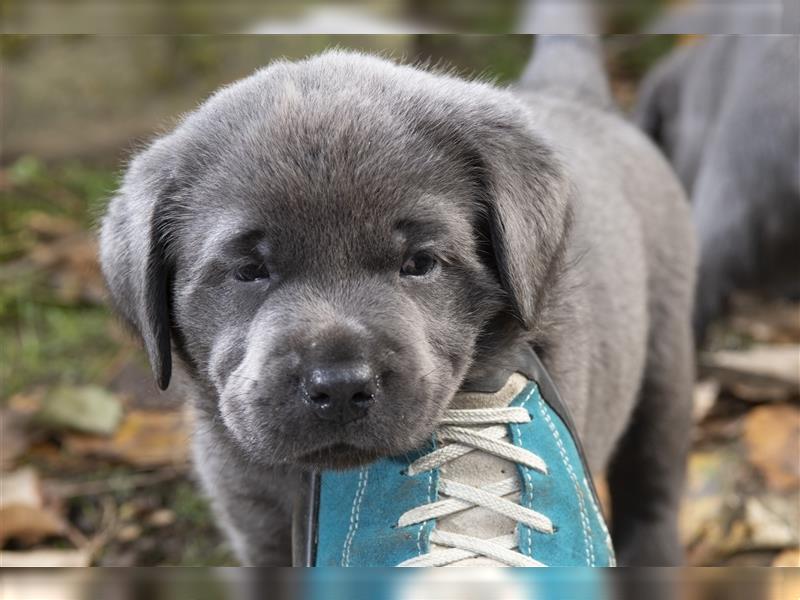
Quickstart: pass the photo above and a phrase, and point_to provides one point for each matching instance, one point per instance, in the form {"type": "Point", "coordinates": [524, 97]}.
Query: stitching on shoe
{"type": "Point", "coordinates": [527, 474]}
{"type": "Point", "coordinates": [355, 511]}
{"type": "Point", "coordinates": [601, 521]}
{"type": "Point", "coordinates": [422, 525]}
{"type": "Point", "coordinates": [581, 506]}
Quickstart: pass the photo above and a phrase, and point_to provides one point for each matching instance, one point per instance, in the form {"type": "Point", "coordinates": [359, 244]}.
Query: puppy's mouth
{"type": "Point", "coordinates": [338, 457]}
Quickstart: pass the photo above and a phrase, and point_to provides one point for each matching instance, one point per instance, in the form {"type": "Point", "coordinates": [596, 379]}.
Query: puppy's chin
{"type": "Point", "coordinates": [338, 457]}
{"type": "Point", "coordinates": [341, 456]}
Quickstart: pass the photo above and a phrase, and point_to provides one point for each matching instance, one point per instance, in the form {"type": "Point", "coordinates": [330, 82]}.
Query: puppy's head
{"type": "Point", "coordinates": [324, 244]}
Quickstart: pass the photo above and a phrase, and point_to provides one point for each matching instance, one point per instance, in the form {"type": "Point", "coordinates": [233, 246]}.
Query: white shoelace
{"type": "Point", "coordinates": [460, 437]}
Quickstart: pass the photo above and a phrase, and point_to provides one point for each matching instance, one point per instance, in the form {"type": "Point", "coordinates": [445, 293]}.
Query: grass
{"type": "Point", "coordinates": [49, 335]}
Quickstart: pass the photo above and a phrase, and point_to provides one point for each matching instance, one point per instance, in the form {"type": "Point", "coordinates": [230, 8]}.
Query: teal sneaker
{"type": "Point", "coordinates": [503, 482]}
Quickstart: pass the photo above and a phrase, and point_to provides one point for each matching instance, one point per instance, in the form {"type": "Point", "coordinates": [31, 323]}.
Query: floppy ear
{"type": "Point", "coordinates": [134, 254]}
{"type": "Point", "coordinates": [529, 212]}
{"type": "Point", "coordinates": [524, 195]}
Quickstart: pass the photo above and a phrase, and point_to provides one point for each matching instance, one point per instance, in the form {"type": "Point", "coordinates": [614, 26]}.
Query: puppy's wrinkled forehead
{"type": "Point", "coordinates": [323, 173]}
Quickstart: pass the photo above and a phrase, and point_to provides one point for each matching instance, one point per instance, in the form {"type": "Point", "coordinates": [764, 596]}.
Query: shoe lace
{"type": "Point", "coordinates": [459, 435]}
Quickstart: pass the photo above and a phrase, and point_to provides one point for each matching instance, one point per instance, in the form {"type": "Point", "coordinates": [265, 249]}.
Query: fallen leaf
{"type": "Point", "coordinates": [787, 558]}
{"type": "Point", "coordinates": [704, 398]}
{"type": "Point", "coordinates": [772, 439]}
{"type": "Point", "coordinates": [21, 487]}
{"type": "Point", "coordinates": [45, 558]}
{"type": "Point", "coordinates": [772, 521]}
{"type": "Point", "coordinates": [711, 480]}
{"type": "Point", "coordinates": [90, 409]}
{"type": "Point", "coordinates": [746, 530]}
{"type": "Point", "coordinates": [28, 525]}
{"type": "Point", "coordinates": [779, 362]}
{"type": "Point", "coordinates": [146, 438]}
{"type": "Point", "coordinates": [22, 513]}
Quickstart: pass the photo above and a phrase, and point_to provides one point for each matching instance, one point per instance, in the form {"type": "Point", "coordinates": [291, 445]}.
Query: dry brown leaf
{"type": "Point", "coordinates": [787, 558]}
{"type": "Point", "coordinates": [46, 558]}
{"type": "Point", "coordinates": [772, 439]}
{"type": "Point", "coordinates": [28, 524]}
{"type": "Point", "coordinates": [146, 438]}
{"type": "Point", "coordinates": [23, 515]}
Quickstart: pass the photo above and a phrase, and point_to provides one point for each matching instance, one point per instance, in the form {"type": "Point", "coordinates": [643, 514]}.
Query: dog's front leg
{"type": "Point", "coordinates": [252, 502]}
{"type": "Point", "coordinates": [646, 475]}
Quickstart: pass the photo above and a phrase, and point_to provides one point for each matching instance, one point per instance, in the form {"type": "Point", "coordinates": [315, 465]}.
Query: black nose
{"type": "Point", "coordinates": [341, 394]}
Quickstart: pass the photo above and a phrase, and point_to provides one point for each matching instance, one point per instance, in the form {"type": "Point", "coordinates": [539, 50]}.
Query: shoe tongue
{"type": "Point", "coordinates": [499, 399]}
{"type": "Point", "coordinates": [479, 469]}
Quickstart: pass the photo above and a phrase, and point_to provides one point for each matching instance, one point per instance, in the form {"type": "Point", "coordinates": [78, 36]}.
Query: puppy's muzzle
{"type": "Point", "coordinates": [341, 393]}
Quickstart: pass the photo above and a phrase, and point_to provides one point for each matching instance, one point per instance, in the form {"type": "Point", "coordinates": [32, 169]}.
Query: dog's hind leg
{"type": "Point", "coordinates": [646, 474]}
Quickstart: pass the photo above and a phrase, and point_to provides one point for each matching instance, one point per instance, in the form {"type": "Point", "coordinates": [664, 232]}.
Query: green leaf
{"type": "Point", "coordinates": [90, 409]}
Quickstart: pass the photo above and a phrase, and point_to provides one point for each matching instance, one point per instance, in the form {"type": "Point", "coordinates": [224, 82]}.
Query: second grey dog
{"type": "Point", "coordinates": [727, 113]}
{"type": "Point", "coordinates": [328, 249]}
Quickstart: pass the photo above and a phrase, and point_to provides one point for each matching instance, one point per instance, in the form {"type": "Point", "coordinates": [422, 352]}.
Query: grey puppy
{"type": "Point", "coordinates": [727, 113]}
{"type": "Point", "coordinates": [345, 231]}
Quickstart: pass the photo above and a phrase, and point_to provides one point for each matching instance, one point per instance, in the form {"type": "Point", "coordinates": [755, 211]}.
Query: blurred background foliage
{"type": "Point", "coordinates": [235, 16]}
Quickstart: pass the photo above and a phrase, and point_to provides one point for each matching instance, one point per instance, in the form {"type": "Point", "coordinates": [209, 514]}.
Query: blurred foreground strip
{"type": "Point", "coordinates": [45, 558]}
{"type": "Point", "coordinates": [420, 584]}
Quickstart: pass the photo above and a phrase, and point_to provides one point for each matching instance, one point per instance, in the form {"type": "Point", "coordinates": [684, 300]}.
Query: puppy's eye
{"type": "Point", "coordinates": [418, 264]}
{"type": "Point", "coordinates": [251, 272]}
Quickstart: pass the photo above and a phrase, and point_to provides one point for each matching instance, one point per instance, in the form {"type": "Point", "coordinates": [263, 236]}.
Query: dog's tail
{"type": "Point", "coordinates": [568, 65]}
